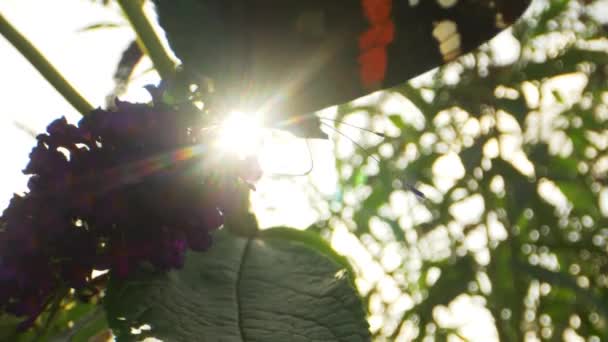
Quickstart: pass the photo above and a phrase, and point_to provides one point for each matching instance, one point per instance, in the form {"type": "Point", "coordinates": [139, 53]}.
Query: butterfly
{"type": "Point", "coordinates": [288, 58]}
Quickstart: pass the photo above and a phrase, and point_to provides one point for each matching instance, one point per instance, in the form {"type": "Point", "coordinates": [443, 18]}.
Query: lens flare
{"type": "Point", "coordinates": [241, 134]}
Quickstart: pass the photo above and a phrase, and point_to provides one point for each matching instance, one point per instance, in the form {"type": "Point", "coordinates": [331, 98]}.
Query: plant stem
{"type": "Point", "coordinates": [44, 67]}
{"type": "Point", "coordinates": [152, 46]}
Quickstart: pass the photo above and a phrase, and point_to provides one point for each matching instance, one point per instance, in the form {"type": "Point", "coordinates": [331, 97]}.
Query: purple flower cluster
{"type": "Point", "coordinates": [124, 186]}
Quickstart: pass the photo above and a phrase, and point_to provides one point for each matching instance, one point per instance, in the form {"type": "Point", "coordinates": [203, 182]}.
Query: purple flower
{"type": "Point", "coordinates": [120, 188]}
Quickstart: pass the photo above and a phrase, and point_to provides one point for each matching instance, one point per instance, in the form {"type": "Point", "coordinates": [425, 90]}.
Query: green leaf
{"type": "Point", "coordinates": [552, 166]}
{"type": "Point", "coordinates": [516, 107]}
{"type": "Point", "coordinates": [310, 239]}
{"type": "Point", "coordinates": [99, 26]}
{"type": "Point", "coordinates": [75, 321]}
{"type": "Point", "coordinates": [566, 281]}
{"type": "Point", "coordinates": [471, 156]}
{"type": "Point", "coordinates": [262, 289]}
{"type": "Point", "coordinates": [8, 329]}
{"type": "Point", "coordinates": [558, 97]}
{"type": "Point", "coordinates": [90, 326]}
{"type": "Point", "coordinates": [360, 177]}
{"type": "Point", "coordinates": [580, 195]}
{"type": "Point", "coordinates": [508, 291]}
{"type": "Point", "coordinates": [397, 120]}
{"type": "Point", "coordinates": [454, 280]}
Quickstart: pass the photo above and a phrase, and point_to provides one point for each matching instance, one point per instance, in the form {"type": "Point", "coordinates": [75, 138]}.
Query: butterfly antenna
{"type": "Point", "coordinates": [381, 135]}
{"type": "Point", "coordinates": [419, 194]}
{"type": "Point", "coordinates": [305, 173]}
{"type": "Point", "coordinates": [351, 140]}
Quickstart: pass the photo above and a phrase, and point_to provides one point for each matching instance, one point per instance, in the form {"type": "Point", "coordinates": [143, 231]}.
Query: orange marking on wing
{"type": "Point", "coordinates": [373, 66]}
{"type": "Point", "coordinates": [373, 42]}
{"type": "Point", "coordinates": [377, 36]}
{"type": "Point", "coordinates": [377, 11]}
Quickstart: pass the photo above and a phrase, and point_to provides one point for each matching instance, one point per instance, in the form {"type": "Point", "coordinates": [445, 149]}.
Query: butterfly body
{"type": "Point", "coordinates": [287, 58]}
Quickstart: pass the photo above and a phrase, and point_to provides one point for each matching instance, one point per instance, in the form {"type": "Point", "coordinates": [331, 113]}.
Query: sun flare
{"type": "Point", "coordinates": [241, 133]}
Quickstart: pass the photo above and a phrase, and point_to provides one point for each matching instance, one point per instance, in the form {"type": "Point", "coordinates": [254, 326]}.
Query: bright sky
{"type": "Point", "coordinates": [86, 59]}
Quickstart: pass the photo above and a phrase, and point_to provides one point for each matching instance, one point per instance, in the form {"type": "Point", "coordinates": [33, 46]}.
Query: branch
{"type": "Point", "coordinates": [44, 67]}
{"type": "Point", "coordinates": [146, 35]}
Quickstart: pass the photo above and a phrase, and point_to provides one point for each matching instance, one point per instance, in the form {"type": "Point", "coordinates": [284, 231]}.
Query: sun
{"type": "Point", "coordinates": [241, 134]}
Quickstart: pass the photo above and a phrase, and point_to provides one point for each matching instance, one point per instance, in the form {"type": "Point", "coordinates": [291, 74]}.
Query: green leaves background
{"type": "Point", "coordinates": [527, 175]}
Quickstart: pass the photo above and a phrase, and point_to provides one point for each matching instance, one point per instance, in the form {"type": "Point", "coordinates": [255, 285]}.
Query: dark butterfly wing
{"type": "Point", "coordinates": [289, 58]}
{"type": "Point", "coordinates": [439, 33]}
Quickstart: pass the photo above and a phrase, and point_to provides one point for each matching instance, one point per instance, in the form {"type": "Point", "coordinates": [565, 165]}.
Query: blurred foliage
{"type": "Point", "coordinates": [68, 320]}
{"type": "Point", "coordinates": [513, 160]}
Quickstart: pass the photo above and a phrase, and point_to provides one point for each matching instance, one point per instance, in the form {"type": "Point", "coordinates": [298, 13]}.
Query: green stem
{"type": "Point", "coordinates": [145, 33]}
{"type": "Point", "coordinates": [44, 67]}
